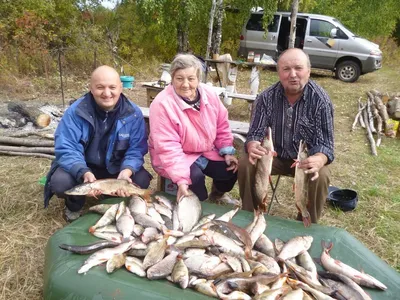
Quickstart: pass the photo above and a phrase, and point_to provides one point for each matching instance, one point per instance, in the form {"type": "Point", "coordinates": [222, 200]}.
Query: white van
{"type": "Point", "coordinates": [329, 44]}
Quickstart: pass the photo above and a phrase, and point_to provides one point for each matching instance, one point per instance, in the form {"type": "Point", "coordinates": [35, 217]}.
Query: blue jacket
{"type": "Point", "coordinates": [126, 149]}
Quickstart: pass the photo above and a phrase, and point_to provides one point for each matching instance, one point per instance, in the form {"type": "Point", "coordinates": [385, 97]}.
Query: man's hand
{"type": "Point", "coordinates": [313, 164]}
{"type": "Point", "coordinates": [182, 191]}
{"type": "Point", "coordinates": [232, 163]}
{"type": "Point", "coordinates": [256, 151]}
{"type": "Point", "coordinates": [126, 175]}
{"type": "Point", "coordinates": [89, 177]}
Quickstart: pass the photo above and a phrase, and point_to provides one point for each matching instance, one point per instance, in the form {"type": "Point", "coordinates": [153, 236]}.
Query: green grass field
{"type": "Point", "coordinates": [25, 226]}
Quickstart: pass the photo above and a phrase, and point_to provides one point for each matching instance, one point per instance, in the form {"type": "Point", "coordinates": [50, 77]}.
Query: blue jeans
{"type": "Point", "coordinates": [62, 181]}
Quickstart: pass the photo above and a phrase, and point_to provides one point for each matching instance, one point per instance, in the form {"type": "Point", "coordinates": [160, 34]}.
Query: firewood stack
{"type": "Point", "coordinates": [373, 116]}
{"type": "Point", "coordinates": [38, 141]}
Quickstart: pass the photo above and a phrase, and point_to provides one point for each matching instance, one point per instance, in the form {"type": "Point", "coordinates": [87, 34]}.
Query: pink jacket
{"type": "Point", "coordinates": [179, 134]}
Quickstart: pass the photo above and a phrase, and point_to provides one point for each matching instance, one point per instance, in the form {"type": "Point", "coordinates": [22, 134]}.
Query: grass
{"type": "Point", "coordinates": [25, 226]}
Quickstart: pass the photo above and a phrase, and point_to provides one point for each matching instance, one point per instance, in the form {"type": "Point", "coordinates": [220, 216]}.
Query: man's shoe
{"type": "Point", "coordinates": [71, 216]}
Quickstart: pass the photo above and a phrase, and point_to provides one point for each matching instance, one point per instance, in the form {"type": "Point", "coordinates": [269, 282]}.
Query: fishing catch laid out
{"type": "Point", "coordinates": [161, 239]}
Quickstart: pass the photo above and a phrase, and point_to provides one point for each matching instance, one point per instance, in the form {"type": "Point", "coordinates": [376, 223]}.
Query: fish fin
{"type": "Point", "coordinates": [306, 221]}
{"type": "Point", "coordinates": [326, 246]}
{"type": "Point", "coordinates": [296, 162]}
{"type": "Point", "coordinates": [317, 260]}
{"type": "Point", "coordinates": [338, 262]}
{"type": "Point", "coordinates": [92, 229]}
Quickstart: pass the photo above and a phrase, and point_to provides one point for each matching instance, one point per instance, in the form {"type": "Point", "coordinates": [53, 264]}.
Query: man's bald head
{"type": "Point", "coordinates": [294, 52]}
{"type": "Point", "coordinates": [106, 87]}
{"type": "Point", "coordinates": [294, 72]}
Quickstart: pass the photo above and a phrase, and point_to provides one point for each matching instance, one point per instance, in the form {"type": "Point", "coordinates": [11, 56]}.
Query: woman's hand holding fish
{"type": "Point", "coordinates": [182, 191]}
{"type": "Point", "coordinates": [232, 162]}
{"type": "Point", "coordinates": [313, 164]}
{"type": "Point", "coordinates": [256, 151]}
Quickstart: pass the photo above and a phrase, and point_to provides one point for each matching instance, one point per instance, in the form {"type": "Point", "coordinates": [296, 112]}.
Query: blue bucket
{"type": "Point", "coordinates": [127, 81]}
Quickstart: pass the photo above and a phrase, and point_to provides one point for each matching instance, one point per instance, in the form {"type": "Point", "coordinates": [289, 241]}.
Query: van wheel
{"type": "Point", "coordinates": [348, 71]}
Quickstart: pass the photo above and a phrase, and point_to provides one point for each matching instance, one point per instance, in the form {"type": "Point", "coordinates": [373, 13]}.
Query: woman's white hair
{"type": "Point", "coordinates": [184, 61]}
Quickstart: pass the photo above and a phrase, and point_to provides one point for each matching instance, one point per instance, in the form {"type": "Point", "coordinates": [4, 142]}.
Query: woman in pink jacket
{"type": "Point", "coordinates": [190, 135]}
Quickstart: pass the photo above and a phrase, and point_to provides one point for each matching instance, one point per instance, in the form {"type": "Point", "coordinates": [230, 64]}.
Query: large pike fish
{"type": "Point", "coordinates": [263, 171]}
{"type": "Point", "coordinates": [301, 186]}
{"type": "Point", "coordinates": [108, 187]}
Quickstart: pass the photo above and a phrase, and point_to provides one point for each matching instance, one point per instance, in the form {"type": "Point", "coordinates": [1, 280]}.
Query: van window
{"type": "Point", "coordinates": [321, 28]}
{"type": "Point", "coordinates": [256, 23]}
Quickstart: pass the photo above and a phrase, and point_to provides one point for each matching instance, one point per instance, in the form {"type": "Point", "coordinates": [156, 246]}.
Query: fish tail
{"type": "Point", "coordinates": [247, 253]}
{"type": "Point", "coordinates": [147, 195]}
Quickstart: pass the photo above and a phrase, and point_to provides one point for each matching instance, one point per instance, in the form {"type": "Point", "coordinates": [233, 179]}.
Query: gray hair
{"type": "Point", "coordinates": [291, 49]}
{"type": "Point", "coordinates": [184, 61]}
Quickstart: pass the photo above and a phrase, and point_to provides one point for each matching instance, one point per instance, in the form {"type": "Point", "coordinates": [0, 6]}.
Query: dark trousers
{"type": "Point", "coordinates": [62, 181]}
{"type": "Point", "coordinates": [317, 189]}
{"type": "Point", "coordinates": [223, 180]}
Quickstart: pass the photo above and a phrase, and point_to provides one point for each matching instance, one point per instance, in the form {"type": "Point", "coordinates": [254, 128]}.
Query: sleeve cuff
{"type": "Point", "coordinates": [227, 150]}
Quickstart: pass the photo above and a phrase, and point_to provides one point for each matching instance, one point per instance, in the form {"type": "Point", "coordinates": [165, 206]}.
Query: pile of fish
{"type": "Point", "coordinates": [210, 254]}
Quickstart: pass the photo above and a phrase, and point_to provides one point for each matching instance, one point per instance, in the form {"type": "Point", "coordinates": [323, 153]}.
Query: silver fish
{"type": "Point", "coordinates": [263, 171]}
{"type": "Point", "coordinates": [180, 273]}
{"type": "Point", "coordinates": [336, 266]}
{"type": "Point", "coordinates": [163, 268]}
{"type": "Point", "coordinates": [294, 247]}
{"type": "Point", "coordinates": [102, 256]}
{"type": "Point", "coordinates": [156, 253]}
{"type": "Point", "coordinates": [137, 205]}
{"type": "Point", "coordinates": [106, 219]}
{"type": "Point", "coordinates": [189, 211]}
{"type": "Point", "coordinates": [301, 186]}
{"type": "Point", "coordinates": [125, 224]}
{"type": "Point", "coordinates": [115, 262]}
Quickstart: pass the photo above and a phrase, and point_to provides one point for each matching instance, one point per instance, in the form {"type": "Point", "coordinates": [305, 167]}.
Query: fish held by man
{"type": "Point", "coordinates": [263, 171]}
{"type": "Point", "coordinates": [108, 187]}
{"type": "Point", "coordinates": [301, 185]}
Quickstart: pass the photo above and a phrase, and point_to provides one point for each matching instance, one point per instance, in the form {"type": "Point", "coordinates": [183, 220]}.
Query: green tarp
{"type": "Point", "coordinates": [61, 280]}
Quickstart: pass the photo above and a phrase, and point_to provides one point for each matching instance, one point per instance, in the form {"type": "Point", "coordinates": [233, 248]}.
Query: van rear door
{"type": "Point", "coordinates": [255, 40]}
{"type": "Point", "coordinates": [322, 49]}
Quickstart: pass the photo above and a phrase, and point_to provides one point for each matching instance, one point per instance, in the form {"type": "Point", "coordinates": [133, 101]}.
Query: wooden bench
{"type": "Point", "coordinates": [165, 184]}
{"type": "Point", "coordinates": [236, 126]}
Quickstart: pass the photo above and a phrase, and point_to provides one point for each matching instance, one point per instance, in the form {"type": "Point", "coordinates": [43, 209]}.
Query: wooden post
{"type": "Point", "coordinates": [61, 77]}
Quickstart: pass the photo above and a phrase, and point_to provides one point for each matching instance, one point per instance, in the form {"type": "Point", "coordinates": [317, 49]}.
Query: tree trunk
{"type": "Point", "coordinates": [217, 30]}
{"type": "Point", "coordinates": [33, 114]}
{"type": "Point", "coordinates": [210, 28]}
{"type": "Point", "coordinates": [293, 18]}
{"type": "Point", "coordinates": [183, 39]}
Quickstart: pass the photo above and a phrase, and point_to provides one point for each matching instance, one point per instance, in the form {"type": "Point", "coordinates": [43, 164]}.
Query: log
{"type": "Point", "coordinates": [378, 130]}
{"type": "Point", "coordinates": [28, 154]}
{"type": "Point", "coordinates": [382, 109]}
{"type": "Point", "coordinates": [370, 117]}
{"type": "Point", "coordinates": [358, 117]}
{"type": "Point", "coordinates": [25, 142]}
{"type": "Point", "coordinates": [369, 133]}
{"type": "Point", "coordinates": [49, 136]}
{"type": "Point", "coordinates": [361, 107]}
{"type": "Point", "coordinates": [47, 150]}
{"type": "Point", "coordinates": [33, 114]}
